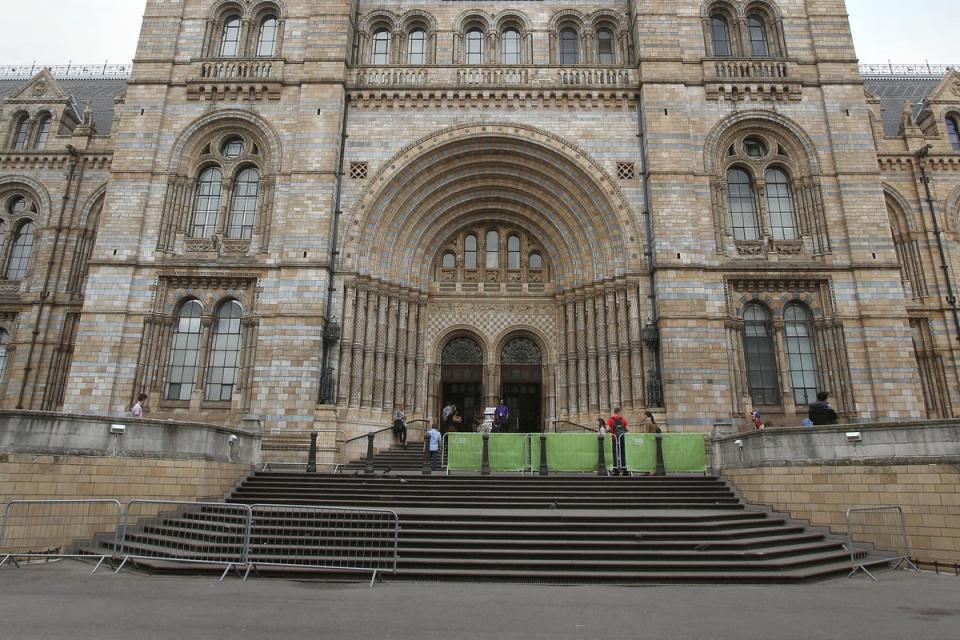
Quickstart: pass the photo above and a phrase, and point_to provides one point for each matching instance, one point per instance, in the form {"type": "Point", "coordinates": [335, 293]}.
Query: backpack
{"type": "Point", "coordinates": [618, 427]}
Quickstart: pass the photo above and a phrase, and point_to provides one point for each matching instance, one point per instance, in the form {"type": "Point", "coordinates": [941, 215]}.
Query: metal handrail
{"type": "Point", "coordinates": [371, 433]}
{"type": "Point", "coordinates": [556, 422]}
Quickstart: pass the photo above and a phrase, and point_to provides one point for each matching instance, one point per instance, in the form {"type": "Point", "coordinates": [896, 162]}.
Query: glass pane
{"type": "Point", "coordinates": [4, 341]}
{"type": "Point", "coordinates": [801, 354]}
{"type": "Point", "coordinates": [224, 352]}
{"type": "Point", "coordinates": [743, 205]}
{"type": "Point", "coordinates": [953, 132]}
{"type": "Point", "coordinates": [230, 43]}
{"type": "Point", "coordinates": [233, 148]}
{"type": "Point", "coordinates": [780, 205]}
{"type": "Point", "coordinates": [381, 47]}
{"type": "Point", "coordinates": [243, 205]}
{"type": "Point", "coordinates": [474, 46]}
{"type": "Point", "coordinates": [417, 47]}
{"type": "Point", "coordinates": [569, 50]}
{"type": "Point", "coordinates": [511, 46]}
{"type": "Point", "coordinates": [268, 37]}
{"type": "Point", "coordinates": [43, 134]}
{"type": "Point", "coordinates": [536, 262]}
{"type": "Point", "coordinates": [721, 36]}
{"type": "Point", "coordinates": [470, 252]}
{"type": "Point", "coordinates": [493, 250]}
{"type": "Point", "coordinates": [449, 261]}
{"type": "Point", "coordinates": [21, 135]}
{"type": "Point", "coordinates": [184, 351]}
{"type": "Point", "coordinates": [21, 252]}
{"type": "Point", "coordinates": [605, 46]}
{"type": "Point", "coordinates": [758, 36]}
{"type": "Point", "coordinates": [513, 252]}
{"type": "Point", "coordinates": [762, 375]}
{"type": "Point", "coordinates": [206, 206]}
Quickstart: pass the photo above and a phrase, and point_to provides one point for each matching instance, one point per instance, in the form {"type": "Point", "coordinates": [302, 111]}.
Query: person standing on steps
{"type": "Point", "coordinates": [446, 415]}
{"type": "Point", "coordinates": [617, 427]}
{"type": "Point", "coordinates": [433, 445]}
{"type": "Point", "coordinates": [400, 426]}
{"type": "Point", "coordinates": [501, 417]}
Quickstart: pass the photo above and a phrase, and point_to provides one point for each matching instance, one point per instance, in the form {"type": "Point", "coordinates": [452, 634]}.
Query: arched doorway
{"type": "Point", "coordinates": [461, 376]}
{"type": "Point", "coordinates": [521, 384]}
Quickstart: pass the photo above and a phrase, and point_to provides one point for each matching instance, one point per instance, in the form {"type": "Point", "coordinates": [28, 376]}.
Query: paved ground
{"type": "Point", "coordinates": [62, 600]}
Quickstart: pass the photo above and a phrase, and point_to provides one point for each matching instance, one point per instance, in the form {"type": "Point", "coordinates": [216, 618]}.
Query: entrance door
{"type": "Point", "coordinates": [521, 377]}
{"type": "Point", "coordinates": [461, 379]}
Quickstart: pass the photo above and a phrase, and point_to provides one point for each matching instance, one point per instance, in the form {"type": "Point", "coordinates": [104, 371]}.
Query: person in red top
{"type": "Point", "coordinates": [616, 427]}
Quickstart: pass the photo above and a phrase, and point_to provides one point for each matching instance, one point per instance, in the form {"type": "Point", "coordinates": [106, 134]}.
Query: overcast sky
{"type": "Point", "coordinates": [60, 31]}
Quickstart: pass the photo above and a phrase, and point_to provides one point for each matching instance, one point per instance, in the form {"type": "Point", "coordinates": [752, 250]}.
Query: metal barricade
{"type": "Point", "coordinates": [54, 528]}
{"type": "Point", "coordinates": [214, 533]}
{"type": "Point", "coordinates": [883, 528]}
{"type": "Point", "coordinates": [326, 538]}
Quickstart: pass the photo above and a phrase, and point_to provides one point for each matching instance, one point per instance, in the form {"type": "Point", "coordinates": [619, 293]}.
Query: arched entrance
{"type": "Point", "coordinates": [461, 377]}
{"type": "Point", "coordinates": [521, 384]}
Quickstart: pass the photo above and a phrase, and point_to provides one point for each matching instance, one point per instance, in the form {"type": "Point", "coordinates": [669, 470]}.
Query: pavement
{"type": "Point", "coordinates": [63, 600]}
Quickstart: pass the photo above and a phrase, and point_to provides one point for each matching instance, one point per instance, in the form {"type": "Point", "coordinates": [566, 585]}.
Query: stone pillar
{"type": "Point", "coordinates": [613, 355]}
{"type": "Point", "coordinates": [571, 323]}
{"type": "Point", "coordinates": [581, 357]}
{"type": "Point", "coordinates": [380, 351]}
{"type": "Point", "coordinates": [563, 406]}
{"type": "Point", "coordinates": [400, 384]}
{"type": "Point", "coordinates": [636, 346]}
{"type": "Point", "coordinates": [390, 370]}
{"type": "Point", "coordinates": [593, 376]}
{"type": "Point", "coordinates": [346, 345]}
{"type": "Point", "coordinates": [410, 376]}
{"type": "Point", "coordinates": [623, 346]}
{"type": "Point", "coordinates": [421, 326]}
{"type": "Point", "coordinates": [603, 363]}
{"type": "Point", "coordinates": [356, 374]}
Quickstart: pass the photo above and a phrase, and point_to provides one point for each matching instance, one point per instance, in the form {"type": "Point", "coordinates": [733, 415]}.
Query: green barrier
{"type": "Point", "coordinates": [684, 453]}
{"type": "Point", "coordinates": [464, 451]}
{"type": "Point", "coordinates": [570, 452]}
{"type": "Point", "coordinates": [507, 451]}
{"type": "Point", "coordinates": [641, 452]}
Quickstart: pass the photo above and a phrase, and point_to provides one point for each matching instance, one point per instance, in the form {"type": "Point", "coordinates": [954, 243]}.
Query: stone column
{"type": "Point", "coordinates": [380, 351]}
{"type": "Point", "coordinates": [636, 346]}
{"type": "Point", "coordinates": [421, 354]}
{"type": "Point", "coordinates": [602, 360]}
{"type": "Point", "coordinates": [786, 387]}
{"type": "Point", "coordinates": [592, 374]}
{"type": "Point", "coordinates": [613, 355]}
{"type": "Point", "coordinates": [400, 384]}
{"type": "Point", "coordinates": [346, 345]}
{"type": "Point", "coordinates": [410, 376]}
{"type": "Point", "coordinates": [356, 374]}
{"type": "Point", "coordinates": [571, 323]}
{"type": "Point", "coordinates": [199, 380]}
{"type": "Point", "coordinates": [369, 343]}
{"type": "Point", "coordinates": [582, 381]}
{"type": "Point", "coordinates": [623, 348]}
{"type": "Point", "coordinates": [563, 406]}
{"type": "Point", "coordinates": [390, 371]}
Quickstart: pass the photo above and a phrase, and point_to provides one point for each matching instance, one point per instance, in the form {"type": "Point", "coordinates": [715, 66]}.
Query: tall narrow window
{"type": "Point", "coordinates": [4, 341]}
{"type": "Point", "coordinates": [475, 46]}
{"type": "Point", "coordinates": [184, 352]}
{"type": "Point", "coordinates": [20, 252]}
{"type": "Point", "coordinates": [953, 133]}
{"type": "Point", "coordinates": [758, 36]}
{"type": "Point", "coordinates": [743, 205]}
{"type": "Point", "coordinates": [783, 222]}
{"type": "Point", "coordinates": [43, 132]}
{"type": "Point", "coordinates": [224, 353]}
{"type": "Point", "coordinates": [243, 204]}
{"type": "Point", "coordinates": [493, 250]}
{"type": "Point", "coordinates": [720, 30]}
{"type": "Point", "coordinates": [513, 252]}
{"type": "Point", "coordinates": [206, 205]}
{"type": "Point", "coordinates": [417, 47]}
{"type": "Point", "coordinates": [470, 252]}
{"type": "Point", "coordinates": [449, 261]}
{"type": "Point", "coordinates": [569, 49]}
{"type": "Point", "coordinates": [381, 47]}
{"type": "Point", "coordinates": [800, 352]}
{"type": "Point", "coordinates": [267, 39]}
{"type": "Point", "coordinates": [3, 236]}
{"type": "Point", "coordinates": [230, 41]}
{"type": "Point", "coordinates": [536, 262]}
{"type": "Point", "coordinates": [605, 46]}
{"type": "Point", "coordinates": [511, 46]}
{"type": "Point", "coordinates": [21, 134]}
{"type": "Point", "coordinates": [761, 363]}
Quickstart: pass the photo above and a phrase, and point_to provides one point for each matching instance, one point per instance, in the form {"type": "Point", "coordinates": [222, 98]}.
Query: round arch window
{"type": "Point", "coordinates": [232, 147]}
{"type": "Point", "coordinates": [755, 147]}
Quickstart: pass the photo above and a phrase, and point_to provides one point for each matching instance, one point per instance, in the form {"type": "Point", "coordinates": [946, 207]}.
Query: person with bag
{"type": "Point", "coordinates": [617, 427]}
{"type": "Point", "coordinates": [650, 423]}
{"type": "Point", "coordinates": [400, 426]}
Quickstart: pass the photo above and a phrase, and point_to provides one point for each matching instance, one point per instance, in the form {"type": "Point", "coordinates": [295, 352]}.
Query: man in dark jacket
{"type": "Point", "coordinates": [821, 412]}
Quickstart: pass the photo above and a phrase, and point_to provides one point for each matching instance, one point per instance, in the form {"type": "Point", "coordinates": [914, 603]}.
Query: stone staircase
{"type": "Point", "coordinates": [395, 459]}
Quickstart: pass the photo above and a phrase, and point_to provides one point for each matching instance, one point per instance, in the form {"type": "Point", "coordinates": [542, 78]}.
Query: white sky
{"type": "Point", "coordinates": [92, 31]}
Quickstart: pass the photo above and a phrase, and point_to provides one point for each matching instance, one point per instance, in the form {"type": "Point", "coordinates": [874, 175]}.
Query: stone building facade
{"type": "Point", "coordinates": [315, 211]}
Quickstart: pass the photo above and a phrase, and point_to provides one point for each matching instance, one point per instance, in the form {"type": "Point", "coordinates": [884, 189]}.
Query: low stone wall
{"type": "Point", "coordinates": [816, 474]}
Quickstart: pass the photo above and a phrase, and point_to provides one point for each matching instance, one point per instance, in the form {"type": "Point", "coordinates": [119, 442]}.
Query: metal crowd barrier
{"type": "Point", "coordinates": [30, 525]}
{"type": "Point", "coordinates": [213, 541]}
{"type": "Point", "coordinates": [882, 528]}
{"type": "Point", "coordinates": [325, 538]}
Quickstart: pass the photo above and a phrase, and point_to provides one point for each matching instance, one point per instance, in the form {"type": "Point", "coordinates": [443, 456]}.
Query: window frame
{"type": "Point", "coordinates": [613, 48]}
{"type": "Point", "coordinates": [757, 26]}
{"type": "Point", "coordinates": [781, 194]}
{"type": "Point", "coordinates": [803, 347]}
{"type": "Point", "coordinates": [226, 39]}
{"type": "Point", "coordinates": [189, 346]}
{"type": "Point", "coordinates": [234, 321]}
{"type": "Point", "coordinates": [565, 55]}
{"type": "Point", "coordinates": [43, 131]}
{"type": "Point", "coordinates": [474, 35]}
{"type": "Point", "coordinates": [208, 211]}
{"type": "Point", "coordinates": [511, 57]}
{"type": "Point", "coordinates": [742, 197]}
{"type": "Point", "coordinates": [275, 33]}
{"type": "Point", "coordinates": [953, 131]}
{"type": "Point", "coordinates": [243, 205]}
{"type": "Point", "coordinates": [20, 251]}
{"type": "Point", "coordinates": [762, 367]}
{"type": "Point", "coordinates": [20, 137]}
{"type": "Point", "coordinates": [718, 19]}
{"type": "Point", "coordinates": [417, 57]}
{"type": "Point", "coordinates": [377, 56]}
{"type": "Point", "coordinates": [4, 342]}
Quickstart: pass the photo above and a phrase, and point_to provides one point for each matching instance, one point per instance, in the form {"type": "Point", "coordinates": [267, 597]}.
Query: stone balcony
{"type": "Point", "coordinates": [235, 79]}
{"type": "Point", "coordinates": [768, 79]}
{"type": "Point", "coordinates": [494, 77]}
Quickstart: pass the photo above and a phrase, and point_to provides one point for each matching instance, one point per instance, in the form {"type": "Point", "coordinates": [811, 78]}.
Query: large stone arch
{"type": "Point", "coordinates": [892, 195]}
{"type": "Point", "coordinates": [787, 130]}
{"type": "Point", "coordinates": [235, 119]}
{"type": "Point", "coordinates": [488, 171]}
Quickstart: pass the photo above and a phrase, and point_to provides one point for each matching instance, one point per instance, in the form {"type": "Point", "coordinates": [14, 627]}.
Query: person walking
{"type": "Point", "coordinates": [446, 414]}
{"type": "Point", "coordinates": [433, 445]}
{"type": "Point", "coordinates": [820, 411]}
{"type": "Point", "coordinates": [650, 423]}
{"type": "Point", "coordinates": [400, 426]}
{"type": "Point", "coordinates": [501, 417]}
{"type": "Point", "coordinates": [617, 427]}
{"type": "Point", "coordinates": [137, 410]}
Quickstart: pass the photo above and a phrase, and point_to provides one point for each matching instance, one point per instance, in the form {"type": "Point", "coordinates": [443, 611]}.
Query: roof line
{"type": "Point", "coordinates": [103, 71]}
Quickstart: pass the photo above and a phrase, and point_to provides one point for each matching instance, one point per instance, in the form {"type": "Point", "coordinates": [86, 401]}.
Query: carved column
{"type": "Point", "coordinates": [226, 195]}
{"type": "Point", "coordinates": [356, 373]}
{"type": "Point", "coordinates": [571, 323]}
{"type": "Point", "coordinates": [400, 383]}
{"type": "Point", "coordinates": [162, 351]}
{"type": "Point", "coordinates": [346, 345]}
{"type": "Point", "coordinates": [561, 382]}
{"type": "Point", "coordinates": [613, 355]}
{"type": "Point", "coordinates": [623, 347]}
{"type": "Point", "coordinates": [592, 374]}
{"type": "Point", "coordinates": [278, 45]}
{"type": "Point", "coordinates": [421, 356]}
{"type": "Point", "coordinates": [369, 344]}
{"type": "Point", "coordinates": [410, 377]}
{"type": "Point", "coordinates": [208, 38]}
{"type": "Point", "coordinates": [602, 361]}
{"type": "Point", "coordinates": [206, 333]}
{"type": "Point", "coordinates": [739, 391]}
{"type": "Point", "coordinates": [389, 377]}
{"type": "Point", "coordinates": [380, 351]}
{"type": "Point", "coordinates": [636, 346]}
{"type": "Point", "coordinates": [582, 381]}
{"type": "Point", "coordinates": [783, 358]}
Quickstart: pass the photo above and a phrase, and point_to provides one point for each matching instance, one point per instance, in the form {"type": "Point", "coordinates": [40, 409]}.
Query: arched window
{"type": "Point", "coordinates": [243, 204]}
{"type": "Point", "coordinates": [569, 46]}
{"type": "Point", "coordinates": [470, 252]}
{"type": "Point", "coordinates": [513, 252]}
{"type": "Point", "coordinates": [953, 133]}
{"type": "Point", "coordinates": [800, 352]}
{"type": "Point", "coordinates": [232, 148]}
{"type": "Point", "coordinates": [761, 363]}
{"type": "Point", "coordinates": [417, 47]}
{"type": "Point", "coordinates": [743, 205]}
{"type": "Point", "coordinates": [783, 222]}
{"type": "Point", "coordinates": [224, 353]}
{"type": "Point", "coordinates": [381, 47]}
{"type": "Point", "coordinates": [206, 205]}
{"type": "Point", "coordinates": [720, 33]}
{"type": "Point", "coordinates": [4, 341]}
{"type": "Point", "coordinates": [43, 132]}
{"type": "Point", "coordinates": [230, 40]}
{"type": "Point", "coordinates": [758, 36]}
{"type": "Point", "coordinates": [17, 206]}
{"type": "Point", "coordinates": [475, 46]}
{"type": "Point", "coordinates": [21, 133]}
{"type": "Point", "coordinates": [20, 252]}
{"type": "Point", "coordinates": [462, 351]}
{"type": "Point", "coordinates": [184, 351]}
{"type": "Point", "coordinates": [493, 250]}
{"type": "Point", "coordinates": [536, 262]}
{"type": "Point", "coordinates": [605, 53]}
{"type": "Point", "coordinates": [450, 260]}
{"type": "Point", "coordinates": [510, 44]}
{"type": "Point", "coordinates": [267, 38]}
{"type": "Point", "coordinates": [3, 236]}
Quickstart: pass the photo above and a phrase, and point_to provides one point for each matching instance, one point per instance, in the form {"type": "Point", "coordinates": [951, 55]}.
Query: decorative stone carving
{"type": "Point", "coordinates": [235, 245]}
{"type": "Point", "coordinates": [750, 248]}
{"type": "Point", "coordinates": [199, 245]}
{"type": "Point", "coordinates": [789, 247]}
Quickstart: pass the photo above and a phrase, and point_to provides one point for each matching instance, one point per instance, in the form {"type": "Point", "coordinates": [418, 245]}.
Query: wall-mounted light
{"type": "Point", "coordinates": [118, 429]}
{"type": "Point", "coordinates": [854, 436]}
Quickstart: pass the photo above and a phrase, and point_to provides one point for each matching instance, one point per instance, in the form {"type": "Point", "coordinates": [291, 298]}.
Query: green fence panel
{"type": "Point", "coordinates": [575, 452]}
{"type": "Point", "coordinates": [684, 453]}
{"type": "Point", "coordinates": [464, 451]}
{"type": "Point", "coordinates": [641, 452]}
{"type": "Point", "coordinates": [533, 452]}
{"type": "Point", "coordinates": [507, 451]}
